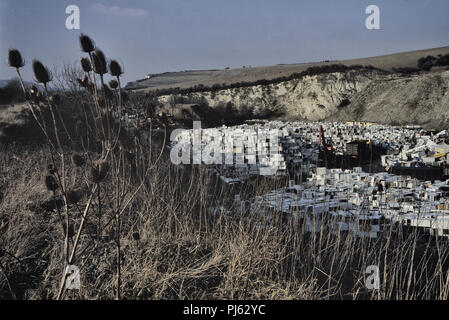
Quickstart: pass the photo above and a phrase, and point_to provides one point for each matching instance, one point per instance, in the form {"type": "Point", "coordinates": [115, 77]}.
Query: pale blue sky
{"type": "Point", "coordinates": [170, 35]}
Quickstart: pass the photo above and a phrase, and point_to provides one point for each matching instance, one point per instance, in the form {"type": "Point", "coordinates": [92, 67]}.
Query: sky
{"type": "Point", "coordinates": [149, 36]}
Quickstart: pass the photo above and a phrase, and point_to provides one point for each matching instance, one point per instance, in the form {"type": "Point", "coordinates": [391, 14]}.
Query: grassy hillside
{"type": "Point", "coordinates": [186, 79]}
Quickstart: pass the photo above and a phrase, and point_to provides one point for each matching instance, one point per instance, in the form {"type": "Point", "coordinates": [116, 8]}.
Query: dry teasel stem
{"type": "Point", "coordinates": [78, 160]}
{"type": "Point", "coordinates": [15, 59]}
{"type": "Point", "coordinates": [50, 183]}
{"type": "Point", "coordinates": [99, 171]}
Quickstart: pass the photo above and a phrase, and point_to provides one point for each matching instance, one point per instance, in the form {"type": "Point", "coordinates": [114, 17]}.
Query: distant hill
{"type": "Point", "coordinates": [3, 83]}
{"type": "Point", "coordinates": [185, 79]}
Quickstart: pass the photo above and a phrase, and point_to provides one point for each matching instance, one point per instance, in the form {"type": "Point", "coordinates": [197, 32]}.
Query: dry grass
{"type": "Point", "coordinates": [184, 252]}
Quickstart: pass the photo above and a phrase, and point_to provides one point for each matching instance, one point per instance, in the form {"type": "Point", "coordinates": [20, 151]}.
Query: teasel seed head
{"type": "Point", "coordinates": [15, 59]}
{"type": "Point", "coordinates": [85, 64]}
{"type": "Point", "coordinates": [74, 196]}
{"type": "Point", "coordinates": [99, 171]}
{"type": "Point", "coordinates": [50, 183]}
{"type": "Point", "coordinates": [41, 72]}
{"type": "Point", "coordinates": [113, 84]}
{"type": "Point", "coordinates": [99, 60]}
{"type": "Point", "coordinates": [115, 69]}
{"type": "Point", "coordinates": [78, 160]}
{"type": "Point", "coordinates": [86, 43]}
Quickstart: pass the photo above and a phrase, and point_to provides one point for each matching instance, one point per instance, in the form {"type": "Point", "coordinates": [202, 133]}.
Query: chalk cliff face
{"type": "Point", "coordinates": [365, 95]}
{"type": "Point", "coordinates": [308, 98]}
{"type": "Point", "coordinates": [420, 99]}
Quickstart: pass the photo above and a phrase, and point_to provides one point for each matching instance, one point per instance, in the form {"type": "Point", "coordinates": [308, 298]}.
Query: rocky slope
{"type": "Point", "coordinates": [362, 95]}
{"type": "Point", "coordinates": [309, 98]}
{"type": "Point", "coordinates": [420, 99]}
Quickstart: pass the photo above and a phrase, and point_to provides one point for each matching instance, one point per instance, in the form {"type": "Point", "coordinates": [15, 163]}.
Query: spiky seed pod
{"type": "Point", "coordinates": [85, 64]}
{"type": "Point", "coordinates": [41, 72]}
{"type": "Point", "coordinates": [115, 69]}
{"type": "Point", "coordinates": [50, 183]}
{"type": "Point", "coordinates": [86, 43]}
{"type": "Point", "coordinates": [74, 196]}
{"type": "Point", "coordinates": [99, 171]}
{"type": "Point", "coordinates": [78, 160]}
{"type": "Point", "coordinates": [136, 236]}
{"type": "Point", "coordinates": [56, 99]}
{"type": "Point", "coordinates": [15, 59]}
{"type": "Point", "coordinates": [99, 60]}
{"type": "Point", "coordinates": [113, 84]}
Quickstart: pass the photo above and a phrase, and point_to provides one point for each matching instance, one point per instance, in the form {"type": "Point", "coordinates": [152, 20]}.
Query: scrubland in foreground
{"type": "Point", "coordinates": [172, 247]}
{"type": "Point", "coordinates": [109, 202]}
